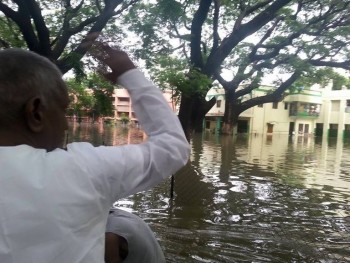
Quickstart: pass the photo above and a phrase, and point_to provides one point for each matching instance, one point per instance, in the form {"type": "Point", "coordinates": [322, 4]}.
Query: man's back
{"type": "Point", "coordinates": [50, 212]}
{"type": "Point", "coordinates": [54, 203]}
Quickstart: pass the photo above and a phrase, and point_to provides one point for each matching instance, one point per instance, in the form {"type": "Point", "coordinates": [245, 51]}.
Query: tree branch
{"type": "Point", "coordinates": [196, 32]}
{"type": "Point", "coordinates": [98, 5]}
{"type": "Point", "coordinates": [77, 8]}
{"type": "Point", "coordinates": [82, 25]}
{"type": "Point", "coordinates": [9, 12]}
{"type": "Point", "coordinates": [216, 37]}
{"type": "Point", "coordinates": [298, 10]}
{"type": "Point", "coordinates": [334, 64]}
{"type": "Point", "coordinates": [248, 89]}
{"type": "Point", "coordinates": [253, 8]}
{"type": "Point", "coordinates": [65, 63]}
{"type": "Point", "coordinates": [217, 57]}
{"type": "Point", "coordinates": [66, 3]}
{"type": "Point", "coordinates": [25, 26]}
{"type": "Point", "coordinates": [272, 97]}
{"type": "Point", "coordinates": [124, 6]}
{"type": "Point", "coordinates": [253, 56]}
{"type": "Point", "coordinates": [221, 80]}
{"type": "Point", "coordinates": [67, 33]}
{"type": "Point", "coordinates": [239, 20]}
{"type": "Point", "coordinates": [60, 38]}
{"type": "Point", "coordinates": [304, 30]}
{"type": "Point", "coordinates": [41, 28]}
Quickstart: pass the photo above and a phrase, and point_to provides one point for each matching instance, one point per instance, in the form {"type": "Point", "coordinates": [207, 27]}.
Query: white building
{"type": "Point", "coordinates": [123, 106]}
{"type": "Point", "coordinates": [310, 111]}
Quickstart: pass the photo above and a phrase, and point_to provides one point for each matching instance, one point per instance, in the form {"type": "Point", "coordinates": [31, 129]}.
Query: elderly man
{"type": "Point", "coordinates": [54, 203]}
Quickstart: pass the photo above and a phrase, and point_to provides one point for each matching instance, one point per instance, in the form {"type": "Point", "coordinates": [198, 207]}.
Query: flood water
{"type": "Point", "coordinates": [247, 199]}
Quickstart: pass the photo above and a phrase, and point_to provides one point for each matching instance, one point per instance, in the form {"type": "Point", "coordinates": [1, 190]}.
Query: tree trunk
{"type": "Point", "coordinates": [192, 112]}
{"type": "Point", "coordinates": [186, 106]}
{"type": "Point", "coordinates": [229, 128]}
{"type": "Point", "coordinates": [231, 114]}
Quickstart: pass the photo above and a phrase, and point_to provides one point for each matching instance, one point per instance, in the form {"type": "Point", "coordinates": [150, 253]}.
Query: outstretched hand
{"type": "Point", "coordinates": [117, 60]}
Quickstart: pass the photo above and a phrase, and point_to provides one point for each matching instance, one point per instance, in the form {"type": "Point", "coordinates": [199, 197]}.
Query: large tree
{"type": "Point", "coordinates": [57, 29]}
{"type": "Point", "coordinates": [189, 44]}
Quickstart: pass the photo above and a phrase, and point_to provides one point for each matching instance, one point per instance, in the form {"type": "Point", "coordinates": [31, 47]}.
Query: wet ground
{"type": "Point", "coordinates": [247, 199]}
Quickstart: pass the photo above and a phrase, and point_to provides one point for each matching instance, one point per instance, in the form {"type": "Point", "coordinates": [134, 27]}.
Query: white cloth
{"type": "Point", "coordinates": [54, 205]}
{"type": "Point", "coordinates": [143, 246]}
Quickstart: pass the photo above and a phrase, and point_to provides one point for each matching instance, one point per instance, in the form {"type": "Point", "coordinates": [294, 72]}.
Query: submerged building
{"type": "Point", "coordinates": [123, 105]}
{"type": "Point", "coordinates": [314, 111]}
{"type": "Point", "coordinates": [310, 111]}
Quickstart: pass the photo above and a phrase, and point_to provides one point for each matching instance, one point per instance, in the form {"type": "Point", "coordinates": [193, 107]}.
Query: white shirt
{"type": "Point", "coordinates": [143, 247]}
{"type": "Point", "coordinates": [54, 205]}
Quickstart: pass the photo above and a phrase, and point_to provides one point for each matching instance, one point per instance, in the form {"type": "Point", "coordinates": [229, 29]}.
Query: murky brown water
{"type": "Point", "coordinates": [248, 199]}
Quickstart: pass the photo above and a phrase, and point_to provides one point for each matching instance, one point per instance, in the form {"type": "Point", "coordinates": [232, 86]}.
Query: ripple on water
{"type": "Point", "coordinates": [251, 199]}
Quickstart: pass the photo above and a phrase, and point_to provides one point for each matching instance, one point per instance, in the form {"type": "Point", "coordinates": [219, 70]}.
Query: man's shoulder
{"type": "Point", "coordinates": [20, 151]}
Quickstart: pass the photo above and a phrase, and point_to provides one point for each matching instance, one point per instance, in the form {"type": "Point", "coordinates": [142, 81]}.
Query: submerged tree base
{"type": "Point", "coordinates": [228, 129]}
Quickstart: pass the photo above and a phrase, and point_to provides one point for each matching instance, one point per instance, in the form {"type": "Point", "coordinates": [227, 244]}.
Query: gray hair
{"type": "Point", "coordinates": [23, 75]}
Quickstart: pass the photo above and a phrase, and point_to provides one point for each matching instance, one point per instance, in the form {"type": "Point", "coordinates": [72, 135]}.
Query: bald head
{"type": "Point", "coordinates": [31, 88]}
{"type": "Point", "coordinates": [23, 75]}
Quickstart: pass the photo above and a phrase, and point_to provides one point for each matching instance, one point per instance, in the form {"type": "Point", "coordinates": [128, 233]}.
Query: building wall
{"type": "Point", "coordinates": [333, 112]}
{"type": "Point", "coordinates": [123, 104]}
{"type": "Point", "coordinates": [334, 115]}
{"type": "Point", "coordinates": [213, 120]}
{"type": "Point", "coordinates": [267, 119]}
{"type": "Point", "coordinates": [217, 110]}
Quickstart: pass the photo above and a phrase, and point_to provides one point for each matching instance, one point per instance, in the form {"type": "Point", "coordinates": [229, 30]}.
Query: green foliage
{"type": "Point", "coordinates": [170, 10]}
{"type": "Point", "coordinates": [249, 39]}
{"type": "Point", "coordinates": [195, 82]}
{"type": "Point", "coordinates": [81, 100]}
{"type": "Point", "coordinates": [323, 77]}
{"type": "Point", "coordinates": [91, 96]}
{"type": "Point", "coordinates": [124, 119]}
{"type": "Point", "coordinates": [103, 93]}
{"type": "Point", "coordinates": [77, 66]}
{"type": "Point", "coordinates": [58, 30]}
{"type": "Point", "coordinates": [10, 34]}
{"type": "Point", "coordinates": [174, 75]}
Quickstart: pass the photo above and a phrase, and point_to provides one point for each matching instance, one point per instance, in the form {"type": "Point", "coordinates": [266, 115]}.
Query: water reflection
{"type": "Point", "coordinates": [248, 199]}
{"type": "Point", "coordinates": [99, 134]}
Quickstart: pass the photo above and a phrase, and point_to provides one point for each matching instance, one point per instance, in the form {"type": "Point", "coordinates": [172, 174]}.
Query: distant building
{"type": "Point", "coordinates": [123, 105]}
{"type": "Point", "coordinates": [314, 111]}
{"type": "Point", "coordinates": [311, 111]}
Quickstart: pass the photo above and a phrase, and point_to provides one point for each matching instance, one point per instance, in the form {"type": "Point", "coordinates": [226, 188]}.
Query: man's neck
{"type": "Point", "coordinates": [13, 138]}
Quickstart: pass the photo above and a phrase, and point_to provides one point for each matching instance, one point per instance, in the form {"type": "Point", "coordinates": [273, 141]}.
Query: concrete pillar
{"type": "Point", "coordinates": [341, 121]}
{"type": "Point", "coordinates": [338, 156]}
{"type": "Point", "coordinates": [218, 124]}
{"type": "Point", "coordinates": [327, 107]}
{"type": "Point", "coordinates": [296, 127]}
{"type": "Point", "coordinates": [324, 154]}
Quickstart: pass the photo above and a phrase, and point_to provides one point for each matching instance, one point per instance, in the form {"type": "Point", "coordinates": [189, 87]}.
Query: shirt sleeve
{"type": "Point", "coordinates": [128, 169]}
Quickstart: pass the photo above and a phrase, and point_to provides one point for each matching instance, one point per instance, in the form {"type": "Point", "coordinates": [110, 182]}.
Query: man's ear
{"type": "Point", "coordinates": [34, 114]}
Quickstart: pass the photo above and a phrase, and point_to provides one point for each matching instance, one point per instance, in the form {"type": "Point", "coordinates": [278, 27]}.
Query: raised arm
{"type": "Point", "coordinates": [166, 150]}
